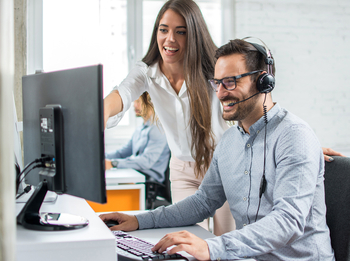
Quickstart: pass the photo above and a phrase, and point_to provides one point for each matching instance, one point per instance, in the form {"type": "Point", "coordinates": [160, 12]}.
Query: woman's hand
{"type": "Point", "coordinates": [329, 152]}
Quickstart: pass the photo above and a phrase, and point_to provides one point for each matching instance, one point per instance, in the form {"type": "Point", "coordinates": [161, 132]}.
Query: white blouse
{"type": "Point", "coordinates": [173, 110]}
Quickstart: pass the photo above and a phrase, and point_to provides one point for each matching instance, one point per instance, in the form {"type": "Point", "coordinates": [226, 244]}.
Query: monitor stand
{"type": "Point", "coordinates": [31, 218]}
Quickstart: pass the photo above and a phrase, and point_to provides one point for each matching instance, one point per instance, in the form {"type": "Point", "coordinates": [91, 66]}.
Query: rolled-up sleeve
{"type": "Point", "coordinates": [130, 90]}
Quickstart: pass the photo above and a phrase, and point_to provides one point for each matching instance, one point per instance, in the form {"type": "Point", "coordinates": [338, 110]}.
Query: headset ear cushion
{"type": "Point", "coordinates": [265, 83]}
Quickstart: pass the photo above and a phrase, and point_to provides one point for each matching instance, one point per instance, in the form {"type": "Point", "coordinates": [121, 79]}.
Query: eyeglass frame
{"type": "Point", "coordinates": [220, 81]}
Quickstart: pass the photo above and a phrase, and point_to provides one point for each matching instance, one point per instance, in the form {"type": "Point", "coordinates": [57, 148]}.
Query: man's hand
{"type": "Point", "coordinates": [108, 164]}
{"type": "Point", "coordinates": [329, 152]}
{"type": "Point", "coordinates": [184, 241]}
{"type": "Point", "coordinates": [126, 222]}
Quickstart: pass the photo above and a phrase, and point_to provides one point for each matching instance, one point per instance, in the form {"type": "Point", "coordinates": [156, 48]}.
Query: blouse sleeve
{"type": "Point", "coordinates": [130, 90]}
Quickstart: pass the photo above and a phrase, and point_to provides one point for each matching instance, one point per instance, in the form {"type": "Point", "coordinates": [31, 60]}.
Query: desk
{"type": "Point", "coordinates": [93, 242]}
{"type": "Point", "coordinates": [123, 192]}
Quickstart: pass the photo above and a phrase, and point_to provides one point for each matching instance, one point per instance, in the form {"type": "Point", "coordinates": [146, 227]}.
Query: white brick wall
{"type": "Point", "coordinates": [310, 41]}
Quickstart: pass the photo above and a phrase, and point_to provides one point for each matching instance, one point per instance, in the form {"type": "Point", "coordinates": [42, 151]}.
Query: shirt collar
{"type": "Point", "coordinates": [260, 124]}
{"type": "Point", "coordinates": [146, 124]}
{"type": "Point", "coordinates": [157, 75]}
{"type": "Point", "coordinates": [154, 71]}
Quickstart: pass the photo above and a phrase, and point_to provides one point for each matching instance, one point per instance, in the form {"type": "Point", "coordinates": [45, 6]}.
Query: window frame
{"type": "Point", "coordinates": [134, 41]}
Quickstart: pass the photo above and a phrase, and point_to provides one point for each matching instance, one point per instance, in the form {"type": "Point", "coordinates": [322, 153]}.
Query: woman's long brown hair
{"type": "Point", "coordinates": [199, 67]}
{"type": "Point", "coordinates": [147, 109]}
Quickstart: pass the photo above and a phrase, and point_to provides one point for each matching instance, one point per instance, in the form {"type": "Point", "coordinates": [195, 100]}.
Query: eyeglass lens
{"type": "Point", "coordinates": [228, 83]}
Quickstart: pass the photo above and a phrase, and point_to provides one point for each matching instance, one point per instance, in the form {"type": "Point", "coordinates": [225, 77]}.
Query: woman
{"type": "Point", "coordinates": [174, 72]}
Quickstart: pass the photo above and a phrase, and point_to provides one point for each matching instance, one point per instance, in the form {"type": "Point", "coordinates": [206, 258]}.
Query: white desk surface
{"type": "Point", "coordinates": [93, 242]}
{"type": "Point", "coordinates": [120, 176]}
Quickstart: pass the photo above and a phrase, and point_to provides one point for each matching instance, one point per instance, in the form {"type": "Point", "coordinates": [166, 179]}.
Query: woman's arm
{"type": "Point", "coordinates": [113, 104]}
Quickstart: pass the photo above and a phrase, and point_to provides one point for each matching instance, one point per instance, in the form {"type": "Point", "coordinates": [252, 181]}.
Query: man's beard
{"type": "Point", "coordinates": [243, 109]}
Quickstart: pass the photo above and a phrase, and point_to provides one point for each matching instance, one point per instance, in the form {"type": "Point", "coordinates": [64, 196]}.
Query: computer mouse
{"type": "Point", "coordinates": [111, 223]}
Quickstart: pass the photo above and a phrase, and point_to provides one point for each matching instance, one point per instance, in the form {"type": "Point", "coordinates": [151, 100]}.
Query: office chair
{"type": "Point", "coordinates": [158, 194]}
{"type": "Point", "coordinates": [337, 194]}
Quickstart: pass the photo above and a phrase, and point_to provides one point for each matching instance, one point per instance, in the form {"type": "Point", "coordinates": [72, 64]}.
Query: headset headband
{"type": "Point", "coordinates": [264, 50]}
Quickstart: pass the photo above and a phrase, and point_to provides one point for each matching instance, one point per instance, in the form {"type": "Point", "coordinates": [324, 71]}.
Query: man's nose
{"type": "Point", "coordinates": [221, 91]}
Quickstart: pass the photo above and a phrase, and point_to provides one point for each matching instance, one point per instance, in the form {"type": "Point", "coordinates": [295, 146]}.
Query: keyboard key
{"type": "Point", "coordinates": [134, 248]}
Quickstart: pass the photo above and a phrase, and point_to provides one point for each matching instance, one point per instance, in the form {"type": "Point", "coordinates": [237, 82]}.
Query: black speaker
{"type": "Point", "coordinates": [265, 83]}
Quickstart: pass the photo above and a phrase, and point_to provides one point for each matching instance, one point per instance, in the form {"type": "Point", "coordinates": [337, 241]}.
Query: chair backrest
{"type": "Point", "coordinates": [166, 182]}
{"type": "Point", "coordinates": [337, 194]}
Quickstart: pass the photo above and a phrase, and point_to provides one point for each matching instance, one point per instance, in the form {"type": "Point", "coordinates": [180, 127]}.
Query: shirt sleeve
{"type": "Point", "coordinates": [191, 210]}
{"type": "Point", "coordinates": [156, 144]}
{"type": "Point", "coordinates": [130, 90]}
{"type": "Point", "coordinates": [298, 172]}
{"type": "Point", "coordinates": [123, 152]}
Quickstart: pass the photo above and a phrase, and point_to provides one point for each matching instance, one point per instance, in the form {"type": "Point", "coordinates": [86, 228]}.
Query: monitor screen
{"type": "Point", "coordinates": [79, 130]}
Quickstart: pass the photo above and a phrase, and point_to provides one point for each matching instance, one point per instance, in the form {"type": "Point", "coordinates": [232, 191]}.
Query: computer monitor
{"type": "Point", "coordinates": [63, 129]}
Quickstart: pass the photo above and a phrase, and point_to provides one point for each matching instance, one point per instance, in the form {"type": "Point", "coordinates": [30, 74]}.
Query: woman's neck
{"type": "Point", "coordinates": [174, 73]}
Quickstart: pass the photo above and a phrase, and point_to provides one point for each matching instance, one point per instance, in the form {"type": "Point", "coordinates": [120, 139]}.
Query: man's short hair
{"type": "Point", "coordinates": [255, 60]}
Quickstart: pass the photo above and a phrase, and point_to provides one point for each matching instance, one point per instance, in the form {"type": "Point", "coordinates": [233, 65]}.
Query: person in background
{"type": "Point", "coordinates": [147, 151]}
{"type": "Point", "coordinates": [269, 167]}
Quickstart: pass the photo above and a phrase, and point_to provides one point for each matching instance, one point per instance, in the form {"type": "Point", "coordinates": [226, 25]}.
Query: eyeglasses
{"type": "Point", "coordinates": [229, 83]}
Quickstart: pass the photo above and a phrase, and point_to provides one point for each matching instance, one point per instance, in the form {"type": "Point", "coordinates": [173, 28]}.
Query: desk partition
{"type": "Point", "coordinates": [125, 191]}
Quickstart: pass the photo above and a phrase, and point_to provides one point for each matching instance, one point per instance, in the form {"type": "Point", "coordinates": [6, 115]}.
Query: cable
{"type": "Point", "coordinates": [41, 160]}
{"type": "Point", "coordinates": [41, 165]}
{"type": "Point", "coordinates": [263, 182]}
{"type": "Point", "coordinates": [26, 190]}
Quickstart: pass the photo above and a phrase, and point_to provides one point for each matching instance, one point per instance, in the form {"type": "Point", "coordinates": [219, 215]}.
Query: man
{"type": "Point", "coordinates": [147, 151]}
{"type": "Point", "coordinates": [274, 185]}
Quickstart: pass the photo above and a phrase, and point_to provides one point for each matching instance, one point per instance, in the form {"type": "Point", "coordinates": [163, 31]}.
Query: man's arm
{"type": "Point", "coordinates": [121, 153]}
{"type": "Point", "coordinates": [183, 240]}
{"type": "Point", "coordinates": [156, 145]}
{"type": "Point", "coordinates": [189, 211]}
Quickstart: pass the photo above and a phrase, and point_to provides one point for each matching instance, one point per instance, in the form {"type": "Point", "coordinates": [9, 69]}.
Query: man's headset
{"type": "Point", "coordinates": [265, 84]}
{"type": "Point", "coordinates": [266, 81]}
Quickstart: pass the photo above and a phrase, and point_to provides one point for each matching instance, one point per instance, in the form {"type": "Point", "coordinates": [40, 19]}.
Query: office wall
{"type": "Point", "coordinates": [7, 180]}
{"type": "Point", "coordinates": [310, 41]}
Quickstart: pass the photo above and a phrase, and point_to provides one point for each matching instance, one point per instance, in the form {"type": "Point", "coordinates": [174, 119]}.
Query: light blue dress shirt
{"type": "Point", "coordinates": [291, 221]}
{"type": "Point", "coordinates": [147, 151]}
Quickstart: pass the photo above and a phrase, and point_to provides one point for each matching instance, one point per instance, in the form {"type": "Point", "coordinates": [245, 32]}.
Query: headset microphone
{"type": "Point", "coordinates": [234, 103]}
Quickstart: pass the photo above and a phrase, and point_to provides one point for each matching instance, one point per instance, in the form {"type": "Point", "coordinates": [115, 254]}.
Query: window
{"type": "Point", "coordinates": [208, 8]}
{"type": "Point", "coordinates": [115, 33]}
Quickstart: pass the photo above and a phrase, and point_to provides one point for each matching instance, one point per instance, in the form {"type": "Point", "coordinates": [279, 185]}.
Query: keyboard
{"type": "Point", "coordinates": [133, 248]}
